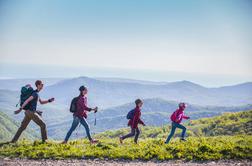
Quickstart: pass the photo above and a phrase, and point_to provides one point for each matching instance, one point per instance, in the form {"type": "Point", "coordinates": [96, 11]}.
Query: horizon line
{"type": "Point", "coordinates": [122, 79]}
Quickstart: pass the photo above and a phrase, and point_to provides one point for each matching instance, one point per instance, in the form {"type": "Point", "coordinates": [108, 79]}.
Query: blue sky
{"type": "Point", "coordinates": [210, 40]}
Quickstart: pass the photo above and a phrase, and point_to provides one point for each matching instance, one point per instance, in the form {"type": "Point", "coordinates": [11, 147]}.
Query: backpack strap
{"type": "Point", "coordinates": [18, 102]}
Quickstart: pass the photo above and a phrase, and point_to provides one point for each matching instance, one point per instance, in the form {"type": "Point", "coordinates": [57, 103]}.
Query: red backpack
{"type": "Point", "coordinates": [174, 116]}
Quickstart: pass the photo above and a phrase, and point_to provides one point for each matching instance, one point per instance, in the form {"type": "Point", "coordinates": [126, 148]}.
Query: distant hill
{"type": "Point", "coordinates": [226, 124]}
{"type": "Point", "coordinates": [8, 128]}
{"type": "Point", "coordinates": [8, 100]}
{"type": "Point", "coordinates": [110, 92]}
{"type": "Point", "coordinates": [16, 84]}
{"type": "Point", "coordinates": [124, 80]}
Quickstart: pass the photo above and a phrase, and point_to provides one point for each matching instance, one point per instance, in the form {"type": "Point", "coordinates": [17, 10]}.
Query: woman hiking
{"type": "Point", "coordinates": [134, 121]}
{"type": "Point", "coordinates": [80, 115]}
{"type": "Point", "coordinates": [176, 119]}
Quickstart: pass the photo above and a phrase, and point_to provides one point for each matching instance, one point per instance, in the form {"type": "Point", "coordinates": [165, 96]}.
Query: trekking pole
{"type": "Point", "coordinates": [95, 115]}
{"type": "Point", "coordinates": [95, 119]}
{"type": "Point", "coordinates": [77, 130]}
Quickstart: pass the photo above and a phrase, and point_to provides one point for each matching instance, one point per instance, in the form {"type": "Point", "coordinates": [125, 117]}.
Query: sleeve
{"type": "Point", "coordinates": [85, 107]}
{"type": "Point", "coordinates": [185, 117]}
{"type": "Point", "coordinates": [34, 95]}
{"type": "Point", "coordinates": [141, 122]}
{"type": "Point", "coordinates": [81, 105]}
{"type": "Point", "coordinates": [178, 116]}
{"type": "Point", "coordinates": [136, 119]}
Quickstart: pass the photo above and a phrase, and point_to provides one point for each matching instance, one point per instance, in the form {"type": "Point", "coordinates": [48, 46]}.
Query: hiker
{"type": "Point", "coordinates": [176, 119]}
{"type": "Point", "coordinates": [134, 119]}
{"type": "Point", "coordinates": [79, 109]}
{"type": "Point", "coordinates": [30, 107]}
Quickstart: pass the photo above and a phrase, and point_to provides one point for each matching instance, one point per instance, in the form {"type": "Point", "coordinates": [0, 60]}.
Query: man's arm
{"type": "Point", "coordinates": [24, 104]}
{"type": "Point", "coordinates": [46, 101]}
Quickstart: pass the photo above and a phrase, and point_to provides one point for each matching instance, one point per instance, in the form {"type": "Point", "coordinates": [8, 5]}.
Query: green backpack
{"type": "Point", "coordinates": [26, 92]}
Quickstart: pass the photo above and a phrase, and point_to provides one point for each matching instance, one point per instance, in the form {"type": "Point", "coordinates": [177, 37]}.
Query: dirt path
{"type": "Point", "coordinates": [25, 162]}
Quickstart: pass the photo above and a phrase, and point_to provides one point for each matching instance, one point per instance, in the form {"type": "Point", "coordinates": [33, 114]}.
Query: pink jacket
{"type": "Point", "coordinates": [180, 115]}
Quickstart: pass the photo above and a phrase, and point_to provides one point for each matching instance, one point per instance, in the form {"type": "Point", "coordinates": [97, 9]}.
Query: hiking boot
{"type": "Point", "coordinates": [183, 139]}
{"type": "Point", "coordinates": [64, 142]}
{"type": "Point", "coordinates": [12, 142]}
{"type": "Point", "coordinates": [44, 141]}
{"type": "Point", "coordinates": [94, 141]}
{"type": "Point", "coordinates": [121, 140]}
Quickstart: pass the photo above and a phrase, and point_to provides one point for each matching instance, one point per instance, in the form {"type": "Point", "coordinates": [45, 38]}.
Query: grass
{"type": "Point", "coordinates": [196, 148]}
{"type": "Point", "coordinates": [222, 137]}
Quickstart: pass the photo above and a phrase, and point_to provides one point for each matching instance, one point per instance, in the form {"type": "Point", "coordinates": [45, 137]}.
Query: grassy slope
{"type": "Point", "coordinates": [227, 124]}
{"type": "Point", "coordinates": [8, 128]}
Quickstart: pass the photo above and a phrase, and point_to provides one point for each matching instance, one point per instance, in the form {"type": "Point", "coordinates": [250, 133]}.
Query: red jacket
{"type": "Point", "coordinates": [82, 107]}
{"type": "Point", "coordinates": [180, 115]}
{"type": "Point", "coordinates": [136, 119]}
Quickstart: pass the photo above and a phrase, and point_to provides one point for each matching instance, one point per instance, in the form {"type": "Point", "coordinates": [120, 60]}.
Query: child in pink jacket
{"type": "Point", "coordinates": [176, 119]}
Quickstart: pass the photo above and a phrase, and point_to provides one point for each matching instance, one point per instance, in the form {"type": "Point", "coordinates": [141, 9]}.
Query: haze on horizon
{"type": "Point", "coordinates": [207, 42]}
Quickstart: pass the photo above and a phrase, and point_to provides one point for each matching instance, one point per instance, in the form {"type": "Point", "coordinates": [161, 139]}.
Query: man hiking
{"type": "Point", "coordinates": [134, 119]}
{"type": "Point", "coordinates": [31, 113]}
{"type": "Point", "coordinates": [80, 114]}
{"type": "Point", "coordinates": [176, 119]}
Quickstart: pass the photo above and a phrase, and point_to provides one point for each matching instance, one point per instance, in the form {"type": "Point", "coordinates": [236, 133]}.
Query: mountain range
{"type": "Point", "coordinates": [107, 93]}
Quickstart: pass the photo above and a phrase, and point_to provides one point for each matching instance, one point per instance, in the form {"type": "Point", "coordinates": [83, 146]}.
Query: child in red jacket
{"type": "Point", "coordinates": [176, 119]}
{"type": "Point", "coordinates": [133, 123]}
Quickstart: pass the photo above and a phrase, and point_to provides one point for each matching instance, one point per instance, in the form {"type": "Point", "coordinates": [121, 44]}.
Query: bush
{"type": "Point", "coordinates": [196, 148]}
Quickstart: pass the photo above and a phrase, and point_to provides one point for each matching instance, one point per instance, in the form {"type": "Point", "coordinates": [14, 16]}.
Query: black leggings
{"type": "Point", "coordinates": [134, 132]}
